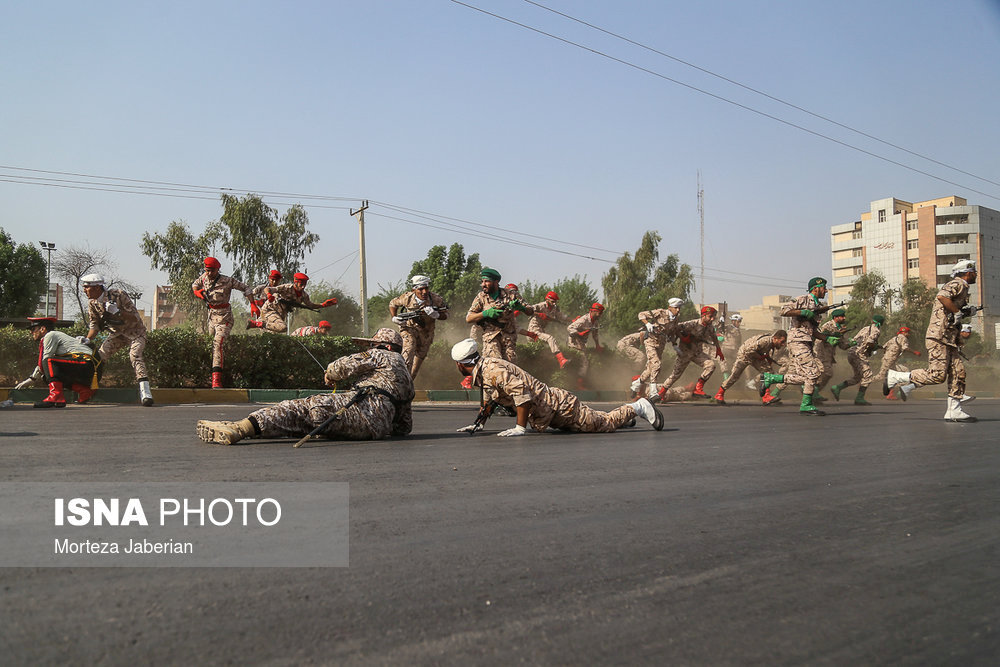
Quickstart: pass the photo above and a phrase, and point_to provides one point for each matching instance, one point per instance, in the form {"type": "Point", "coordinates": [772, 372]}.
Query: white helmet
{"type": "Point", "coordinates": [967, 328]}
{"type": "Point", "coordinates": [736, 317]}
{"type": "Point", "coordinates": [465, 352]}
{"type": "Point", "coordinates": [420, 281]}
{"type": "Point", "coordinates": [963, 266]}
{"type": "Point", "coordinates": [675, 302]}
{"type": "Point", "coordinates": [92, 279]}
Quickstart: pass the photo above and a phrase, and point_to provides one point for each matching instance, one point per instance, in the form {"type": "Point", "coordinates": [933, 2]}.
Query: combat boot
{"type": "Point", "coordinates": [225, 433]}
{"type": "Point", "coordinates": [145, 394]}
{"type": "Point", "coordinates": [699, 389]}
{"type": "Point", "coordinates": [561, 359]}
{"type": "Point", "coordinates": [55, 399]}
{"type": "Point", "coordinates": [860, 398]}
{"type": "Point", "coordinates": [647, 411]}
{"type": "Point", "coordinates": [770, 397]}
{"type": "Point", "coordinates": [835, 390]}
{"type": "Point", "coordinates": [720, 396]}
{"type": "Point", "coordinates": [83, 394]}
{"type": "Point", "coordinates": [254, 324]}
{"type": "Point", "coordinates": [807, 408]}
{"type": "Point", "coordinates": [893, 378]}
{"type": "Point", "coordinates": [955, 413]}
{"type": "Point", "coordinates": [767, 379]}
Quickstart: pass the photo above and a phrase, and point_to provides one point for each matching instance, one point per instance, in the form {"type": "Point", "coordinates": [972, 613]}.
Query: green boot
{"type": "Point", "coordinates": [835, 390]}
{"type": "Point", "coordinates": [767, 379]}
{"type": "Point", "coordinates": [860, 398]}
{"type": "Point", "coordinates": [807, 407]}
{"type": "Point", "coordinates": [817, 398]}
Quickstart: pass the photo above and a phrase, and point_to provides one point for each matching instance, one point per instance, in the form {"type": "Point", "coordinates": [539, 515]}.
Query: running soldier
{"type": "Point", "coordinates": [422, 308]}
{"type": "Point", "coordinates": [113, 310]}
{"type": "Point", "coordinates": [512, 290]}
{"type": "Point", "coordinates": [579, 330]}
{"type": "Point", "coordinates": [214, 289]}
{"type": "Point", "coordinates": [281, 299]}
{"type": "Point", "coordinates": [733, 339]}
{"type": "Point", "coordinates": [493, 311]}
{"type": "Point", "coordinates": [63, 362]}
{"type": "Point", "coordinates": [535, 402]}
{"type": "Point", "coordinates": [835, 332]}
{"type": "Point", "coordinates": [756, 353]}
{"type": "Point", "coordinates": [321, 329]}
{"type": "Point", "coordinates": [944, 359]}
{"type": "Point", "coordinates": [692, 336]}
{"type": "Point", "coordinates": [260, 295]}
{"type": "Point", "coordinates": [805, 367]}
{"type": "Point", "coordinates": [545, 312]}
{"type": "Point", "coordinates": [661, 327]}
{"type": "Point", "coordinates": [893, 350]}
{"type": "Point", "coordinates": [865, 344]}
{"type": "Point", "coordinates": [377, 405]}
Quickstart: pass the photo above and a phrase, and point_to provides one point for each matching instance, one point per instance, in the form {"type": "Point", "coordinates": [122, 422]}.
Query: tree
{"type": "Point", "coordinates": [575, 294]}
{"type": "Point", "coordinates": [345, 317]}
{"type": "Point", "coordinates": [257, 241]}
{"type": "Point", "coordinates": [867, 290]}
{"type": "Point", "coordinates": [74, 262]}
{"type": "Point", "coordinates": [453, 275]}
{"type": "Point", "coordinates": [639, 282]}
{"type": "Point", "coordinates": [181, 255]}
{"type": "Point", "coordinates": [918, 299]}
{"type": "Point", "coordinates": [22, 277]}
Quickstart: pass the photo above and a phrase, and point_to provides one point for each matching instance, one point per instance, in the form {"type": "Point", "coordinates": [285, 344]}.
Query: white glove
{"type": "Point", "coordinates": [397, 319]}
{"type": "Point", "coordinates": [431, 312]}
{"type": "Point", "coordinates": [84, 340]}
{"type": "Point", "coordinates": [471, 428]}
{"type": "Point", "coordinates": [23, 384]}
{"type": "Point", "coordinates": [511, 432]}
{"type": "Point", "coordinates": [650, 327]}
{"type": "Point", "coordinates": [111, 308]}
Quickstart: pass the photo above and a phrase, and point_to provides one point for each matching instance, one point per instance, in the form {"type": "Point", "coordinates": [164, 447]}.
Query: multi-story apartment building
{"type": "Point", "coordinates": [51, 302]}
{"type": "Point", "coordinates": [165, 313]}
{"type": "Point", "coordinates": [904, 240]}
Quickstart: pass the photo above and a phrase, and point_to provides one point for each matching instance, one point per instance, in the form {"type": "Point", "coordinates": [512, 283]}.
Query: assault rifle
{"type": "Point", "coordinates": [819, 310]}
{"type": "Point", "coordinates": [408, 315]}
{"type": "Point", "coordinates": [485, 413]}
{"type": "Point", "coordinates": [955, 319]}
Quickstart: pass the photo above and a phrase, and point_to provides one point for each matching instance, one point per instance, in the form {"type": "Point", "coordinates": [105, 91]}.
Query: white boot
{"type": "Point", "coordinates": [145, 394]}
{"type": "Point", "coordinates": [904, 391]}
{"type": "Point", "coordinates": [892, 379]}
{"type": "Point", "coordinates": [647, 411]}
{"type": "Point", "coordinates": [955, 412]}
{"type": "Point", "coordinates": [966, 399]}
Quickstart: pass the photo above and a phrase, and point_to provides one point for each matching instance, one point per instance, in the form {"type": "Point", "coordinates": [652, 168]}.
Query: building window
{"type": "Point", "coordinates": [858, 271]}
{"type": "Point", "coordinates": [857, 252]}
{"type": "Point", "coordinates": [913, 263]}
{"type": "Point", "coordinates": [856, 234]}
{"type": "Point", "coordinates": [881, 215]}
{"type": "Point", "coordinates": [911, 244]}
{"type": "Point", "coordinates": [911, 224]}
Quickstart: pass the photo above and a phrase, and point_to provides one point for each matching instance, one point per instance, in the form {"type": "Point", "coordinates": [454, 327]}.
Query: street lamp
{"type": "Point", "coordinates": [48, 279]}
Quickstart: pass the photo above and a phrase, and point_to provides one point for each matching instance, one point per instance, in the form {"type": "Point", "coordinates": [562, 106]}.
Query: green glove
{"type": "Point", "coordinates": [852, 342]}
{"type": "Point", "coordinates": [833, 340]}
{"type": "Point", "coordinates": [492, 313]}
{"type": "Point", "coordinates": [806, 313]}
{"type": "Point", "coordinates": [517, 304]}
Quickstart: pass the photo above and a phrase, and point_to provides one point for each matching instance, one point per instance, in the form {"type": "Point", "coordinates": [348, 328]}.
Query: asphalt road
{"type": "Point", "coordinates": [738, 535]}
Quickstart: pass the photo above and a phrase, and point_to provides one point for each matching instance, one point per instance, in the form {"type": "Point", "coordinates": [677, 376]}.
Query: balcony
{"type": "Point", "coordinates": [848, 262]}
{"type": "Point", "coordinates": [955, 249]}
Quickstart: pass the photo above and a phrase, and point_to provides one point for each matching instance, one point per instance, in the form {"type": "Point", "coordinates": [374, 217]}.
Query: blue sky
{"type": "Point", "coordinates": [432, 106]}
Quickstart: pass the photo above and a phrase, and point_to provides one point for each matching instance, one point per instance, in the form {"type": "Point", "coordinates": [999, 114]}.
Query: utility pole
{"type": "Point", "coordinates": [364, 274]}
{"type": "Point", "coordinates": [48, 278]}
{"type": "Point", "coordinates": [701, 213]}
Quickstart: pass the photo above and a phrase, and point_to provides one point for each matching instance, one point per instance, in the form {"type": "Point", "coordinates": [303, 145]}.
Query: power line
{"type": "Point", "coordinates": [760, 92]}
{"type": "Point", "coordinates": [723, 99]}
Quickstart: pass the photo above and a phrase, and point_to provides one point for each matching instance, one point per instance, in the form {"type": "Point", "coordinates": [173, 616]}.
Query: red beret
{"type": "Point", "coordinates": [301, 276]}
{"type": "Point", "coordinates": [212, 263]}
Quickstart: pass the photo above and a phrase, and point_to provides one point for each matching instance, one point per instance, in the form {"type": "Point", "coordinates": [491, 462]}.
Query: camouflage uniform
{"type": "Point", "coordinates": [114, 311]}
{"type": "Point", "coordinates": [280, 301]}
{"type": "Point", "coordinates": [544, 313]}
{"type": "Point", "coordinates": [802, 334]}
{"type": "Point", "coordinates": [858, 357]}
{"type": "Point", "coordinates": [826, 353]}
{"type": "Point", "coordinates": [220, 313]}
{"type": "Point", "coordinates": [631, 348]}
{"type": "Point", "coordinates": [894, 349]}
{"type": "Point", "coordinates": [417, 333]}
{"type": "Point", "coordinates": [579, 330]}
{"type": "Point", "coordinates": [375, 416]}
{"type": "Point", "coordinates": [731, 343]}
{"type": "Point", "coordinates": [754, 353]}
{"type": "Point", "coordinates": [308, 330]}
{"type": "Point", "coordinates": [943, 359]}
{"type": "Point", "coordinates": [665, 324]}
{"type": "Point", "coordinates": [549, 406]}
{"type": "Point", "coordinates": [500, 334]}
{"type": "Point", "coordinates": [692, 336]}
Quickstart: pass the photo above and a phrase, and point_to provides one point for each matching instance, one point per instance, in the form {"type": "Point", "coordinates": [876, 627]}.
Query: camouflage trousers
{"type": "Point", "coordinates": [742, 362]}
{"type": "Point", "coordinates": [826, 361]}
{"type": "Point", "coordinates": [579, 344]}
{"type": "Point", "coordinates": [220, 323]}
{"type": "Point", "coordinates": [654, 354]}
{"type": "Point", "coordinates": [888, 363]}
{"type": "Point", "coordinates": [804, 366]}
{"type": "Point", "coordinates": [687, 355]}
{"type": "Point", "coordinates": [943, 363]}
{"type": "Point", "coordinates": [416, 344]}
{"type": "Point", "coordinates": [584, 419]}
{"type": "Point", "coordinates": [501, 346]}
{"type": "Point", "coordinates": [633, 354]}
{"type": "Point", "coordinates": [548, 339]}
{"type": "Point", "coordinates": [862, 371]}
{"type": "Point", "coordinates": [273, 321]}
{"type": "Point", "coordinates": [136, 346]}
{"type": "Point", "coordinates": [369, 419]}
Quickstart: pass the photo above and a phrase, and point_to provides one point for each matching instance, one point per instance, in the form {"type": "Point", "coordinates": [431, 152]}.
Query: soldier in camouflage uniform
{"type": "Point", "coordinates": [321, 329]}
{"type": "Point", "coordinates": [805, 367]}
{"type": "Point", "coordinates": [732, 340]}
{"type": "Point", "coordinates": [632, 347]}
{"type": "Point", "coordinates": [661, 328]}
{"type": "Point", "coordinates": [535, 402]}
{"type": "Point", "coordinates": [865, 344]}
{"type": "Point", "coordinates": [825, 348]}
{"type": "Point", "coordinates": [113, 310]}
{"type": "Point", "coordinates": [756, 353]}
{"type": "Point", "coordinates": [893, 350]}
{"type": "Point", "coordinates": [260, 293]}
{"type": "Point", "coordinates": [944, 360]}
{"type": "Point", "coordinates": [581, 328]}
{"type": "Point", "coordinates": [214, 289]}
{"type": "Point", "coordinates": [493, 311]}
{"type": "Point", "coordinates": [545, 312]}
{"type": "Point", "coordinates": [281, 299]}
{"type": "Point", "coordinates": [692, 335]}
{"type": "Point", "coordinates": [377, 405]}
{"type": "Point", "coordinates": [423, 308]}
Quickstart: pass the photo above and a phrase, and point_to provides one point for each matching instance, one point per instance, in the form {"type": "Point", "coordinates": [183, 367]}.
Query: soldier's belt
{"type": "Point", "coordinates": [217, 306]}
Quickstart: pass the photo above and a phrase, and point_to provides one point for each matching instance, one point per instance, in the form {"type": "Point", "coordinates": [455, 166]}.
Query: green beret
{"type": "Point", "coordinates": [839, 312]}
{"type": "Point", "coordinates": [878, 319]}
{"type": "Point", "coordinates": [816, 282]}
{"type": "Point", "coordinates": [489, 274]}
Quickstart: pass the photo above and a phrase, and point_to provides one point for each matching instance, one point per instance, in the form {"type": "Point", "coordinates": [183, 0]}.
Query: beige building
{"type": "Point", "coordinates": [165, 313]}
{"type": "Point", "coordinates": [904, 240]}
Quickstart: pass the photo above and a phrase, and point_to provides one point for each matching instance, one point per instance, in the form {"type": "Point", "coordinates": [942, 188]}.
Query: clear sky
{"type": "Point", "coordinates": [436, 107]}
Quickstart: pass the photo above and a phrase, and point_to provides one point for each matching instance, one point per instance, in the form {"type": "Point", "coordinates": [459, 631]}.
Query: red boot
{"type": "Point", "coordinates": [892, 395]}
{"type": "Point", "coordinates": [720, 396]}
{"type": "Point", "coordinates": [216, 379]}
{"type": "Point", "coordinates": [83, 394]}
{"type": "Point", "coordinates": [561, 359]}
{"type": "Point", "coordinates": [699, 389]}
{"type": "Point", "coordinates": [768, 399]}
{"type": "Point", "coordinates": [55, 399]}
{"type": "Point", "coordinates": [254, 324]}
{"type": "Point", "coordinates": [661, 395]}
{"type": "Point", "coordinates": [467, 382]}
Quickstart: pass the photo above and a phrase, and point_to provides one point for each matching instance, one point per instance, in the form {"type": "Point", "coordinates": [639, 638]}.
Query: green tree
{"type": "Point", "coordinates": [257, 240]}
{"type": "Point", "coordinates": [345, 317]}
{"type": "Point", "coordinates": [22, 277]}
{"type": "Point", "coordinates": [640, 282]}
{"type": "Point", "coordinates": [181, 255]}
{"type": "Point", "coordinates": [378, 305]}
{"type": "Point", "coordinates": [917, 299]}
{"type": "Point", "coordinates": [453, 275]}
{"type": "Point", "coordinates": [866, 292]}
{"type": "Point", "coordinates": [575, 294]}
